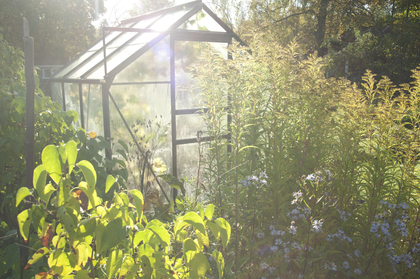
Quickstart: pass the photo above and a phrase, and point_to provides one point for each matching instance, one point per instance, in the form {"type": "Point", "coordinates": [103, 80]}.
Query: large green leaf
{"type": "Point", "coordinates": [39, 180]}
{"type": "Point", "coordinates": [114, 262]}
{"type": "Point", "coordinates": [67, 219]}
{"type": "Point", "coordinates": [22, 193]}
{"type": "Point", "coordinates": [59, 262]}
{"type": "Point", "coordinates": [89, 173]}
{"type": "Point", "coordinates": [115, 232]}
{"type": "Point", "coordinates": [224, 228]}
{"type": "Point", "coordinates": [191, 218]}
{"type": "Point", "coordinates": [209, 211]}
{"type": "Point", "coordinates": [51, 161]}
{"type": "Point", "coordinates": [110, 180]}
{"type": "Point", "coordinates": [94, 200]}
{"type": "Point", "coordinates": [214, 229]}
{"type": "Point", "coordinates": [162, 234]}
{"type": "Point", "coordinates": [138, 202]}
{"type": "Point", "coordinates": [190, 249]}
{"type": "Point", "coordinates": [71, 148]}
{"type": "Point", "coordinates": [24, 221]}
{"type": "Point", "coordinates": [199, 266]}
{"type": "Point", "coordinates": [218, 257]}
{"type": "Point", "coordinates": [128, 268]}
{"type": "Point", "coordinates": [36, 256]}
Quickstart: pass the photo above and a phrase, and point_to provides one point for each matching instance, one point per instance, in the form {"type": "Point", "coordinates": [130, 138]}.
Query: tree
{"type": "Point", "coordinates": [357, 35]}
{"type": "Point", "coordinates": [60, 28]}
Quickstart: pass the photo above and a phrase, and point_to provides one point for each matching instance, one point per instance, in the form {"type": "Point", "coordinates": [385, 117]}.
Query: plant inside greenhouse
{"type": "Point", "coordinates": [210, 139]}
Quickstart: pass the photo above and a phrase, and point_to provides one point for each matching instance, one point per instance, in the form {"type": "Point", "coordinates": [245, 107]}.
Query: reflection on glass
{"type": "Point", "coordinates": [151, 66]}
{"type": "Point", "coordinates": [142, 107]}
{"type": "Point", "coordinates": [71, 91]}
{"type": "Point", "coordinates": [187, 126]}
{"type": "Point", "coordinates": [92, 108]}
{"type": "Point", "coordinates": [186, 55]}
{"type": "Point", "coordinates": [56, 94]}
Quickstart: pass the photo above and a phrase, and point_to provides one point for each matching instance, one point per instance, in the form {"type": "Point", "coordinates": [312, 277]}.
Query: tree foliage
{"type": "Point", "coordinates": [60, 28]}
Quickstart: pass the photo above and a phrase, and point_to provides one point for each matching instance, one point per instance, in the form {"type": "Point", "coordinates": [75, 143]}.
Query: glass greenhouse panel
{"type": "Point", "coordinates": [71, 93]}
{"type": "Point", "coordinates": [141, 40]}
{"type": "Point", "coordinates": [56, 93]}
{"type": "Point", "coordinates": [187, 126]}
{"type": "Point", "coordinates": [186, 55]}
{"type": "Point", "coordinates": [84, 57]}
{"type": "Point", "coordinates": [146, 109]}
{"type": "Point", "coordinates": [188, 158]}
{"type": "Point", "coordinates": [92, 108]}
{"type": "Point", "coordinates": [151, 66]}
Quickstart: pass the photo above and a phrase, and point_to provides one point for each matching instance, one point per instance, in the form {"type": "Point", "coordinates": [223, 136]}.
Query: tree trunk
{"type": "Point", "coordinates": [321, 17]}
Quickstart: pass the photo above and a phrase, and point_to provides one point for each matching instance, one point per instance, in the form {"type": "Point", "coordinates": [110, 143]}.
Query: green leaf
{"type": "Point", "coordinates": [51, 161]}
{"type": "Point", "coordinates": [191, 218]}
{"type": "Point", "coordinates": [224, 231]}
{"type": "Point", "coordinates": [128, 267]}
{"type": "Point", "coordinates": [123, 145]}
{"type": "Point", "coordinates": [62, 154]}
{"type": "Point", "coordinates": [138, 202]}
{"type": "Point", "coordinates": [71, 148]}
{"type": "Point", "coordinates": [114, 262]}
{"type": "Point", "coordinates": [82, 254]}
{"type": "Point", "coordinates": [40, 177]}
{"type": "Point", "coordinates": [94, 200]}
{"type": "Point", "coordinates": [67, 219]}
{"type": "Point", "coordinates": [199, 266]}
{"type": "Point", "coordinates": [218, 257]}
{"type": "Point", "coordinates": [22, 193]}
{"type": "Point", "coordinates": [110, 180]}
{"type": "Point", "coordinates": [115, 232]}
{"type": "Point", "coordinates": [24, 220]}
{"type": "Point", "coordinates": [209, 211]}
{"type": "Point", "coordinates": [214, 229]}
{"type": "Point", "coordinates": [173, 182]}
{"type": "Point", "coordinates": [89, 173]}
{"type": "Point", "coordinates": [189, 249]}
{"type": "Point", "coordinates": [162, 234]}
{"type": "Point", "coordinates": [38, 255]}
{"type": "Point", "coordinates": [59, 262]}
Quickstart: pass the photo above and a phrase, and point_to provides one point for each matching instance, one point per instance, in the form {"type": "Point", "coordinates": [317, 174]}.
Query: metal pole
{"type": "Point", "coordinates": [30, 99]}
{"type": "Point", "coordinates": [30, 122]}
{"type": "Point", "coordinates": [173, 116]}
{"type": "Point", "coordinates": [106, 116]}
{"type": "Point", "coordinates": [82, 115]}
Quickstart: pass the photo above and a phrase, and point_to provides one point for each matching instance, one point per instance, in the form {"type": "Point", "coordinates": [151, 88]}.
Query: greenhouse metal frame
{"type": "Point", "coordinates": [121, 46]}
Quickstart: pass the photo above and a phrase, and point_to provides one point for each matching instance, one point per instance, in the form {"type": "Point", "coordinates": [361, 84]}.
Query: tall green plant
{"type": "Point", "coordinates": [74, 234]}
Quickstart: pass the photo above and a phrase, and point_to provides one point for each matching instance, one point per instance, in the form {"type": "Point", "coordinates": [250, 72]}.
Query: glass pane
{"type": "Point", "coordinates": [202, 21]}
{"type": "Point", "coordinates": [186, 55]}
{"type": "Point", "coordinates": [146, 108]}
{"type": "Point", "coordinates": [187, 126]}
{"type": "Point", "coordinates": [71, 91]}
{"type": "Point", "coordinates": [188, 155]}
{"type": "Point", "coordinates": [56, 93]}
{"type": "Point", "coordinates": [92, 108]}
{"type": "Point", "coordinates": [162, 24]}
{"type": "Point", "coordinates": [152, 66]}
{"type": "Point", "coordinates": [112, 45]}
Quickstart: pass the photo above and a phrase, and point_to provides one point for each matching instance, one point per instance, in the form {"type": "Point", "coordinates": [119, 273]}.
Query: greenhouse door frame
{"type": "Point", "coordinates": [188, 36]}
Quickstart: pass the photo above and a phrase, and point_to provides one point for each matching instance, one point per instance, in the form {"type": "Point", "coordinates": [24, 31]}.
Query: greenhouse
{"type": "Point", "coordinates": [133, 85]}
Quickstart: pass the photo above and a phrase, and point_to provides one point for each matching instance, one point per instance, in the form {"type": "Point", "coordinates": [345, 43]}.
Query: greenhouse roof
{"type": "Point", "coordinates": [121, 45]}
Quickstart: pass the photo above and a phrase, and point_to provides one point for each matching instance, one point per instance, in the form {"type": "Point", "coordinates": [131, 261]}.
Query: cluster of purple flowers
{"type": "Point", "coordinates": [257, 181]}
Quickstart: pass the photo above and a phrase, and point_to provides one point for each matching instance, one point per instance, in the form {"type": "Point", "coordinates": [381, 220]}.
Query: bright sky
{"type": "Point", "coordinates": [117, 9]}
